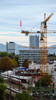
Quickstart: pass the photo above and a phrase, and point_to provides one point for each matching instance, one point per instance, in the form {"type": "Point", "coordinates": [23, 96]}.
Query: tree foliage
{"type": "Point", "coordinates": [2, 91]}
{"type": "Point", "coordinates": [44, 81]}
{"type": "Point", "coordinates": [24, 96]}
{"type": "Point", "coordinates": [7, 64]}
{"type": "Point", "coordinates": [1, 80]}
{"type": "Point", "coordinates": [11, 56]}
{"type": "Point", "coordinates": [3, 54]}
{"type": "Point", "coordinates": [26, 63]}
{"type": "Point", "coordinates": [18, 96]}
{"type": "Point", "coordinates": [16, 58]}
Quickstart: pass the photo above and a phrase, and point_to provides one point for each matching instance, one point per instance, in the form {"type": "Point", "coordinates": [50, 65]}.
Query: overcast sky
{"type": "Point", "coordinates": [31, 13]}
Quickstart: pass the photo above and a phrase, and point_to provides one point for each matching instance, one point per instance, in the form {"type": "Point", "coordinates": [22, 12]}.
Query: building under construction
{"type": "Point", "coordinates": [43, 44]}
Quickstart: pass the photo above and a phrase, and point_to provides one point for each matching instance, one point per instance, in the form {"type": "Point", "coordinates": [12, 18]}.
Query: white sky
{"type": "Point", "coordinates": [31, 12]}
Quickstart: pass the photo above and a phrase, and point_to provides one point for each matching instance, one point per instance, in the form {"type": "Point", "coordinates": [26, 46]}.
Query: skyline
{"type": "Point", "coordinates": [31, 13]}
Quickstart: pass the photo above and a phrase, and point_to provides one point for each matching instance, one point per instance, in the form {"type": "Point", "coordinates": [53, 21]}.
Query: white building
{"type": "Point", "coordinates": [11, 47]}
{"type": "Point", "coordinates": [31, 54]}
{"type": "Point", "coordinates": [34, 66]}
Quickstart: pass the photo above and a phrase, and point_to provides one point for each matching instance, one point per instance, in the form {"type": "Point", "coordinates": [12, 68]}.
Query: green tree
{"type": "Point", "coordinates": [7, 64]}
{"type": "Point", "coordinates": [18, 96]}
{"type": "Point", "coordinates": [2, 91]}
{"type": "Point", "coordinates": [3, 54]}
{"type": "Point", "coordinates": [14, 63]}
{"type": "Point", "coordinates": [24, 96]}
{"type": "Point", "coordinates": [16, 57]}
{"type": "Point", "coordinates": [26, 63]}
{"type": "Point", "coordinates": [44, 81]}
{"type": "Point", "coordinates": [1, 80]}
{"type": "Point", "coordinates": [11, 56]}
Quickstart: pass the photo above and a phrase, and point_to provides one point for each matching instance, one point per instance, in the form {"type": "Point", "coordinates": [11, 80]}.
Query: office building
{"type": "Point", "coordinates": [34, 41]}
{"type": "Point", "coordinates": [31, 54]}
{"type": "Point", "coordinates": [11, 47]}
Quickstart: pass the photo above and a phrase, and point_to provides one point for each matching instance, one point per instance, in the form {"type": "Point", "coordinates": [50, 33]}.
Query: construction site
{"type": "Point", "coordinates": [44, 70]}
{"type": "Point", "coordinates": [36, 73]}
{"type": "Point", "coordinates": [27, 49]}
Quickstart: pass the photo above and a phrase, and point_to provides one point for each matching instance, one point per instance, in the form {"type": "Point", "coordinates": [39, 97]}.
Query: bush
{"type": "Point", "coordinates": [23, 96]}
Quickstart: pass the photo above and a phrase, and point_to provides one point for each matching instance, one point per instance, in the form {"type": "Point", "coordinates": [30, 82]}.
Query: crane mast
{"type": "Point", "coordinates": [43, 46]}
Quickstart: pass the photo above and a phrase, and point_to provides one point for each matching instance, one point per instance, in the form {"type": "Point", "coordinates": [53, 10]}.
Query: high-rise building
{"type": "Point", "coordinates": [11, 47]}
{"type": "Point", "coordinates": [34, 41]}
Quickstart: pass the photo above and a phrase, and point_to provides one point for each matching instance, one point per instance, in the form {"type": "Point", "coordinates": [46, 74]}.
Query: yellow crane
{"type": "Point", "coordinates": [43, 44]}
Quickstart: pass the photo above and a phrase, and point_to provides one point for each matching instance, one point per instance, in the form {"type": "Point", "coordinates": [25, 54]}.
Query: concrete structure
{"type": "Point", "coordinates": [11, 47]}
{"type": "Point", "coordinates": [31, 54]}
{"type": "Point", "coordinates": [34, 41]}
{"type": "Point", "coordinates": [34, 66]}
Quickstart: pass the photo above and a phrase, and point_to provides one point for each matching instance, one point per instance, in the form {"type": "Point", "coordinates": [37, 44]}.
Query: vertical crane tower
{"type": "Point", "coordinates": [43, 44]}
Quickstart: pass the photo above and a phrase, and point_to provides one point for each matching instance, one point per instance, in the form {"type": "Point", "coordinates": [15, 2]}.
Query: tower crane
{"type": "Point", "coordinates": [43, 43]}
